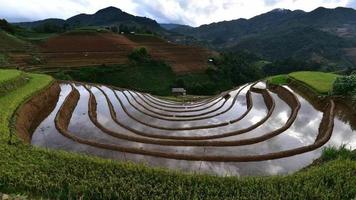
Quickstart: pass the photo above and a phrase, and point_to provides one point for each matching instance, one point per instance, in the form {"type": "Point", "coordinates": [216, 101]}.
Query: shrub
{"type": "Point", "coordinates": [140, 55]}
{"type": "Point", "coordinates": [62, 76]}
{"type": "Point", "coordinates": [345, 85]}
{"type": "Point", "coordinates": [4, 25]}
{"type": "Point", "coordinates": [3, 59]}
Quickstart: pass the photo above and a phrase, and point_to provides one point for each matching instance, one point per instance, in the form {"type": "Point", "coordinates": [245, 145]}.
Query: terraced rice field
{"type": "Point", "coordinates": [183, 59]}
{"type": "Point", "coordinates": [93, 49]}
{"type": "Point", "coordinates": [251, 130]}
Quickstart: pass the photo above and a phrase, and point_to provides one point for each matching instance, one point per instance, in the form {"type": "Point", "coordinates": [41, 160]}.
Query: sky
{"type": "Point", "coordinates": [190, 12]}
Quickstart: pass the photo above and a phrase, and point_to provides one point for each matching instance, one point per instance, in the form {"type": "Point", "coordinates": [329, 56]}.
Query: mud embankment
{"type": "Point", "coordinates": [34, 111]}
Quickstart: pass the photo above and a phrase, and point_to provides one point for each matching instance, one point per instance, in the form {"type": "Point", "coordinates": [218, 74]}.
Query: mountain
{"type": "Point", "coordinates": [322, 34]}
{"type": "Point", "coordinates": [109, 16]}
{"type": "Point", "coordinates": [58, 22]}
{"type": "Point", "coordinates": [173, 26]}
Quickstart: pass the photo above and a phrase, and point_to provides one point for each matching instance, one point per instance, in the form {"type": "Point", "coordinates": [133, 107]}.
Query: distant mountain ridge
{"type": "Point", "coordinates": [105, 17]}
{"type": "Point", "coordinates": [276, 20]}
{"type": "Point", "coordinates": [170, 26]}
{"type": "Point", "coordinates": [322, 34]}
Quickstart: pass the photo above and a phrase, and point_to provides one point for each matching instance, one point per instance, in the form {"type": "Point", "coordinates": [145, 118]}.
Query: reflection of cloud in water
{"type": "Point", "coordinates": [342, 135]}
{"type": "Point", "coordinates": [303, 132]}
{"type": "Point", "coordinates": [274, 169]}
{"type": "Point", "coordinates": [255, 119]}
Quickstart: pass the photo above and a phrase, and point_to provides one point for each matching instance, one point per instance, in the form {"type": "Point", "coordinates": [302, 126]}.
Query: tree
{"type": "Point", "coordinates": [289, 65]}
{"type": "Point", "coordinates": [4, 25]}
{"type": "Point", "coordinates": [140, 55]}
{"type": "Point", "coordinates": [49, 27]}
{"type": "Point", "coordinates": [238, 68]}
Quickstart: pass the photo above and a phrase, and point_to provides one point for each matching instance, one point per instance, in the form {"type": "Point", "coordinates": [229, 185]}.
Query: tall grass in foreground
{"type": "Point", "coordinates": [333, 153]}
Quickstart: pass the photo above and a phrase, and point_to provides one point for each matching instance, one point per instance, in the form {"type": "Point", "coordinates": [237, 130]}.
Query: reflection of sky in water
{"type": "Point", "coordinates": [303, 132]}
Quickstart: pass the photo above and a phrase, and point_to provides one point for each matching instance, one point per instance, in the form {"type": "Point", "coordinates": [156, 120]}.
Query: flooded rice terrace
{"type": "Point", "coordinates": [251, 130]}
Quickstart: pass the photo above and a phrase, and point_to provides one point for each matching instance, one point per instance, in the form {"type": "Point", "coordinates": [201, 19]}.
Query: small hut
{"type": "Point", "coordinates": [179, 92]}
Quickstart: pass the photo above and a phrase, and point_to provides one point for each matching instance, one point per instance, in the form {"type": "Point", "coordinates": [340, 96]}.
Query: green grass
{"type": "Point", "coordinates": [13, 196]}
{"type": "Point", "coordinates": [93, 30]}
{"type": "Point", "coordinates": [332, 153]}
{"type": "Point", "coordinates": [260, 64]}
{"type": "Point", "coordinates": [6, 75]}
{"type": "Point", "coordinates": [190, 98]}
{"type": "Point", "coordinates": [3, 59]}
{"type": "Point", "coordinates": [145, 38]}
{"type": "Point", "coordinates": [278, 79]}
{"type": "Point", "coordinates": [32, 36]}
{"type": "Point", "coordinates": [11, 43]}
{"type": "Point", "coordinates": [319, 81]}
{"type": "Point", "coordinates": [11, 79]}
{"type": "Point", "coordinates": [190, 79]}
{"type": "Point", "coordinates": [40, 173]}
{"type": "Point", "coordinates": [156, 78]}
{"type": "Point", "coordinates": [12, 100]}
{"type": "Point", "coordinates": [61, 175]}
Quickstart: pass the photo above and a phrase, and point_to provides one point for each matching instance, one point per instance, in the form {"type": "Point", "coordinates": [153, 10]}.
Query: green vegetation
{"type": "Point", "coordinates": [199, 84]}
{"type": "Point", "coordinates": [300, 43]}
{"type": "Point", "coordinates": [289, 65]}
{"type": "Point", "coordinates": [51, 27]}
{"type": "Point", "coordinates": [230, 70]}
{"type": "Point", "coordinates": [154, 76]}
{"type": "Point", "coordinates": [140, 55]}
{"type": "Point", "coordinates": [32, 36]}
{"type": "Point", "coordinates": [236, 68]}
{"type": "Point", "coordinates": [3, 59]}
{"type": "Point", "coordinates": [345, 85]}
{"type": "Point", "coordinates": [187, 98]}
{"type": "Point", "coordinates": [8, 75]}
{"type": "Point", "coordinates": [60, 175]}
{"type": "Point", "coordinates": [5, 26]}
{"type": "Point", "coordinates": [11, 101]}
{"type": "Point", "coordinates": [278, 79]}
{"type": "Point", "coordinates": [13, 196]}
{"type": "Point", "coordinates": [10, 43]}
{"type": "Point", "coordinates": [143, 74]}
{"type": "Point", "coordinates": [279, 35]}
{"type": "Point", "coordinates": [333, 153]}
{"type": "Point", "coordinates": [11, 79]}
{"type": "Point", "coordinates": [148, 75]}
{"type": "Point", "coordinates": [319, 81]}
{"type": "Point", "coordinates": [86, 30]}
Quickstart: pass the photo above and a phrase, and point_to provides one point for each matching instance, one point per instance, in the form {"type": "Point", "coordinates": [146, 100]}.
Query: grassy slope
{"type": "Point", "coordinates": [7, 75]}
{"type": "Point", "coordinates": [157, 78]}
{"type": "Point", "coordinates": [61, 175]}
{"type": "Point", "coordinates": [11, 43]}
{"type": "Point", "coordinates": [11, 79]}
{"type": "Point", "coordinates": [278, 79]}
{"type": "Point", "coordinates": [10, 102]}
{"type": "Point", "coordinates": [319, 81]}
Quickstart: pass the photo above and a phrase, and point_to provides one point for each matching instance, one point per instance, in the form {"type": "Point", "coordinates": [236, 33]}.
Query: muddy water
{"type": "Point", "coordinates": [302, 132]}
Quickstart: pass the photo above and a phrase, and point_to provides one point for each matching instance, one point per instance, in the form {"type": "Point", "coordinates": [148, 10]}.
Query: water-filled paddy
{"type": "Point", "coordinates": [268, 131]}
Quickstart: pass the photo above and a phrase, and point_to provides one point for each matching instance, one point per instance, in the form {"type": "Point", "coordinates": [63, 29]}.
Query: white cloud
{"type": "Point", "coordinates": [192, 12]}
